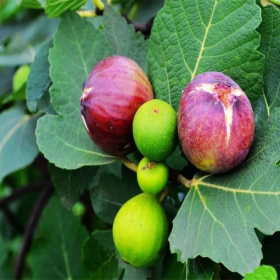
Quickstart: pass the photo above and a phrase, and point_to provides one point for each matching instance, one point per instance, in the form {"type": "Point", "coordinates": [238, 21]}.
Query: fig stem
{"type": "Point", "coordinates": [129, 164]}
{"type": "Point", "coordinates": [184, 181]}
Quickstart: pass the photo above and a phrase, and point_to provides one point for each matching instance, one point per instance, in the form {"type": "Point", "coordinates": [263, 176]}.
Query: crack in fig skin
{"type": "Point", "coordinates": [215, 123]}
{"type": "Point", "coordinates": [113, 92]}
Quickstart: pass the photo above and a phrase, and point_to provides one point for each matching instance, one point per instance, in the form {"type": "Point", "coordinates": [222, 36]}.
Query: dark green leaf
{"type": "Point", "coordinates": [70, 184]}
{"type": "Point", "coordinates": [270, 41]}
{"type": "Point", "coordinates": [123, 38]}
{"type": "Point", "coordinates": [146, 10]}
{"type": "Point", "coordinates": [218, 216]}
{"type": "Point", "coordinates": [100, 259]}
{"type": "Point", "coordinates": [78, 46]}
{"type": "Point", "coordinates": [263, 272]}
{"type": "Point", "coordinates": [111, 193]}
{"type": "Point", "coordinates": [3, 254]}
{"type": "Point", "coordinates": [201, 268]}
{"type": "Point", "coordinates": [25, 43]}
{"type": "Point", "coordinates": [57, 253]}
{"type": "Point", "coordinates": [190, 37]}
{"type": "Point", "coordinates": [172, 269]}
{"type": "Point", "coordinates": [17, 140]}
{"type": "Point", "coordinates": [177, 160]}
{"type": "Point", "coordinates": [55, 8]}
{"type": "Point", "coordinates": [39, 80]}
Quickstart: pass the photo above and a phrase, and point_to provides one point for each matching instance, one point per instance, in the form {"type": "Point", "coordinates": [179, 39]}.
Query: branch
{"type": "Point", "coordinates": [29, 232]}
{"type": "Point", "coordinates": [19, 193]}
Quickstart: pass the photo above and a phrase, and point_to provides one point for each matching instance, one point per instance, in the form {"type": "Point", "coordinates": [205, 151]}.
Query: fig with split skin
{"type": "Point", "coordinates": [113, 92]}
{"type": "Point", "coordinates": [215, 123]}
{"type": "Point", "coordinates": [140, 231]}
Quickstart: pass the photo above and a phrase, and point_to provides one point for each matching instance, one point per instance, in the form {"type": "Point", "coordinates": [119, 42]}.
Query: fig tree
{"type": "Point", "coordinates": [113, 92]}
{"type": "Point", "coordinates": [140, 230]}
{"type": "Point", "coordinates": [155, 130]}
{"type": "Point", "coordinates": [215, 123]}
{"type": "Point", "coordinates": [152, 176]}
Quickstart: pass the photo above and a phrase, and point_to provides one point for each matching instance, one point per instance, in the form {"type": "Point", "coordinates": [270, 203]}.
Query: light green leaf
{"type": "Point", "coordinates": [32, 4]}
{"type": "Point", "coordinates": [264, 272]}
{"type": "Point", "coordinates": [270, 41]}
{"type": "Point", "coordinates": [78, 46]}
{"type": "Point", "coordinates": [111, 193]}
{"type": "Point", "coordinates": [190, 37]}
{"type": "Point", "coordinates": [57, 253]}
{"type": "Point", "coordinates": [55, 8]}
{"type": "Point", "coordinates": [219, 214]}
{"type": "Point", "coordinates": [17, 140]}
{"type": "Point", "coordinates": [70, 184]}
{"type": "Point", "coordinates": [123, 38]}
{"type": "Point", "coordinates": [39, 80]}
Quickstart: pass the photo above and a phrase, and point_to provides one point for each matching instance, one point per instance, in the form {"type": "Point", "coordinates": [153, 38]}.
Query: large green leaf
{"type": "Point", "coordinates": [57, 253]}
{"type": "Point", "coordinates": [270, 41]}
{"type": "Point", "coordinates": [190, 37]}
{"type": "Point", "coordinates": [123, 38]}
{"type": "Point", "coordinates": [17, 140]}
{"type": "Point", "coordinates": [111, 193]}
{"type": "Point", "coordinates": [70, 184]}
{"type": "Point", "coordinates": [39, 80]}
{"type": "Point", "coordinates": [54, 8]}
{"type": "Point", "coordinates": [78, 46]}
{"type": "Point", "coordinates": [218, 216]}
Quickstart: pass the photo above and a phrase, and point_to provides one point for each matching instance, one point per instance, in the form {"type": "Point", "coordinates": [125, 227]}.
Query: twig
{"type": "Point", "coordinates": [29, 232]}
{"type": "Point", "coordinates": [129, 164]}
{"type": "Point", "coordinates": [172, 186]}
{"type": "Point", "coordinates": [19, 193]}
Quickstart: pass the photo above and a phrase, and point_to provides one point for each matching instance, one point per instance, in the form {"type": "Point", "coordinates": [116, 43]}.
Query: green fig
{"type": "Point", "coordinates": [152, 176]}
{"type": "Point", "coordinates": [155, 130]}
{"type": "Point", "coordinates": [140, 231]}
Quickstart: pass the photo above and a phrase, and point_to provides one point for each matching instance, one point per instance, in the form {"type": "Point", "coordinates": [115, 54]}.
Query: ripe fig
{"type": "Point", "coordinates": [140, 230]}
{"type": "Point", "coordinates": [215, 123]}
{"type": "Point", "coordinates": [152, 176]}
{"type": "Point", "coordinates": [155, 130]}
{"type": "Point", "coordinates": [113, 92]}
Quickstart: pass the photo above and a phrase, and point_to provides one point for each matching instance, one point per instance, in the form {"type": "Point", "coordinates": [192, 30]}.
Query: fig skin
{"type": "Point", "coordinates": [215, 123]}
{"type": "Point", "coordinates": [152, 176]}
{"type": "Point", "coordinates": [113, 92]}
{"type": "Point", "coordinates": [155, 130]}
{"type": "Point", "coordinates": [140, 231]}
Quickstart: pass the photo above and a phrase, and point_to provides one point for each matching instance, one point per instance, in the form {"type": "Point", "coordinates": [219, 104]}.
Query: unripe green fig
{"type": "Point", "coordinates": [140, 231]}
{"type": "Point", "coordinates": [155, 130]}
{"type": "Point", "coordinates": [152, 176]}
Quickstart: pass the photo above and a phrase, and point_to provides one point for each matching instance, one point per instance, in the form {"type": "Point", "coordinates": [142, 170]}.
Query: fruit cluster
{"type": "Point", "coordinates": [215, 130]}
